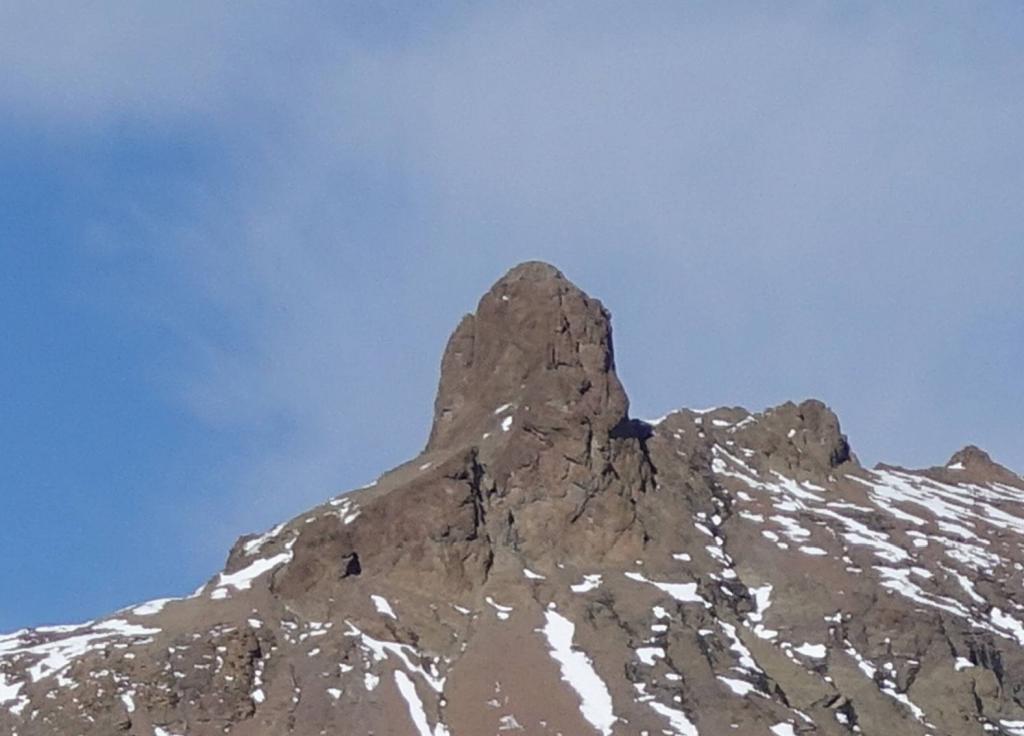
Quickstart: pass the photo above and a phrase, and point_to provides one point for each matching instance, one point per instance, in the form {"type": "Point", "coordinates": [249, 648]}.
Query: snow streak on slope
{"type": "Point", "coordinates": [578, 671]}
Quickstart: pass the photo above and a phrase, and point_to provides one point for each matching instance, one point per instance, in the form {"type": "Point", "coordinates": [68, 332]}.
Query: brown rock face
{"type": "Point", "coordinates": [549, 566]}
{"type": "Point", "coordinates": [979, 465]}
{"type": "Point", "coordinates": [529, 383]}
{"type": "Point", "coordinates": [536, 343]}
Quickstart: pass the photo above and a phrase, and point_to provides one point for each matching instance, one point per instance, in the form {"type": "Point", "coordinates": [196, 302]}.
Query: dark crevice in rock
{"type": "Point", "coordinates": [589, 491]}
{"type": "Point", "coordinates": [847, 709]}
{"type": "Point", "coordinates": [979, 704]}
{"type": "Point", "coordinates": [351, 566]}
{"type": "Point", "coordinates": [629, 429]}
{"type": "Point", "coordinates": [512, 533]}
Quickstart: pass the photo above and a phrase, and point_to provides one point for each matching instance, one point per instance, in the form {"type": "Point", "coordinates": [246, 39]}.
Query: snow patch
{"type": "Point", "coordinates": [243, 579]}
{"type": "Point", "coordinates": [151, 607]}
{"type": "Point", "coordinates": [590, 582]}
{"type": "Point", "coordinates": [816, 651]}
{"type": "Point", "coordinates": [382, 606]}
{"type": "Point", "coordinates": [577, 670]}
{"type": "Point", "coordinates": [683, 592]}
{"type": "Point", "coordinates": [412, 699]}
{"type": "Point", "coordinates": [680, 723]}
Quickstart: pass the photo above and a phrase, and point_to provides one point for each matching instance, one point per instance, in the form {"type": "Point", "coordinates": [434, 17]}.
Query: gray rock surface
{"type": "Point", "coordinates": [549, 565]}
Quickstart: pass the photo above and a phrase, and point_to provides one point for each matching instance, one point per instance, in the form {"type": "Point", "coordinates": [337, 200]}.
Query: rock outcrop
{"type": "Point", "coordinates": [549, 565]}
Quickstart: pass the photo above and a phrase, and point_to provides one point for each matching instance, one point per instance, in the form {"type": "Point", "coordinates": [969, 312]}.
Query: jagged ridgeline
{"type": "Point", "coordinates": [549, 565]}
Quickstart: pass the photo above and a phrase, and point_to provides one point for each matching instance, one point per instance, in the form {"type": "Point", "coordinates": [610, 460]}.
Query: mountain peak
{"type": "Point", "coordinates": [970, 455]}
{"type": "Point", "coordinates": [552, 569]}
{"type": "Point", "coordinates": [536, 340]}
{"type": "Point", "coordinates": [532, 271]}
{"type": "Point", "coordinates": [978, 464]}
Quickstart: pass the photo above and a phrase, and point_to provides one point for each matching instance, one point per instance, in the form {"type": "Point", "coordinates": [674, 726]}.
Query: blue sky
{"type": "Point", "coordinates": [233, 245]}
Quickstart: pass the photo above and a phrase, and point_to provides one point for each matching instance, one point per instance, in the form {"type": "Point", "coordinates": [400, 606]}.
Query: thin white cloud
{"type": "Point", "coordinates": [774, 203]}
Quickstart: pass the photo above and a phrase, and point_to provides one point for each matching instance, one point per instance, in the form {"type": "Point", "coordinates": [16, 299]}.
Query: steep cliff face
{"type": "Point", "coordinates": [550, 566]}
{"type": "Point", "coordinates": [536, 344]}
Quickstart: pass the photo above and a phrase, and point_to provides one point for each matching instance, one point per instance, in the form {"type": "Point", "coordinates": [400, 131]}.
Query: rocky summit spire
{"type": "Point", "coordinates": [538, 341]}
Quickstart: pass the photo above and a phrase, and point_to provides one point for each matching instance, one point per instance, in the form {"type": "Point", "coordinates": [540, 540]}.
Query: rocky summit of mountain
{"type": "Point", "coordinates": [550, 565]}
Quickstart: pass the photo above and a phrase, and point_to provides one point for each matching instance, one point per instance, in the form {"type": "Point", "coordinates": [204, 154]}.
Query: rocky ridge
{"type": "Point", "coordinates": [549, 565]}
